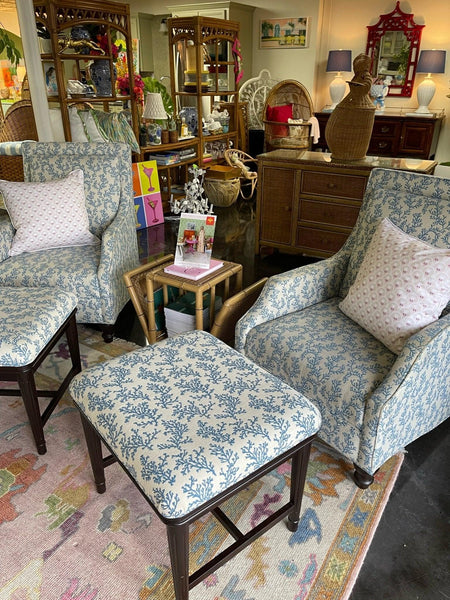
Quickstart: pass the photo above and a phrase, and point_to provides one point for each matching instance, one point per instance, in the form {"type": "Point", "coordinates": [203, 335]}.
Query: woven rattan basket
{"type": "Point", "coordinates": [11, 168]}
{"type": "Point", "coordinates": [222, 192]}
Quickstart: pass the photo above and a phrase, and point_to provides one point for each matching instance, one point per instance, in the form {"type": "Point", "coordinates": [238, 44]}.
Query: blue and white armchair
{"type": "Point", "coordinates": [373, 402]}
{"type": "Point", "coordinates": [93, 272]}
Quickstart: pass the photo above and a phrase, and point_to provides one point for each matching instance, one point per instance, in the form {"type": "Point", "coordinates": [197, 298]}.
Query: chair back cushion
{"type": "Point", "coordinates": [416, 203]}
{"type": "Point", "coordinates": [106, 167]}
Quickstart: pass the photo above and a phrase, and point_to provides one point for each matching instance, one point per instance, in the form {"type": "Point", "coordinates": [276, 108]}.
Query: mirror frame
{"type": "Point", "coordinates": [397, 20]}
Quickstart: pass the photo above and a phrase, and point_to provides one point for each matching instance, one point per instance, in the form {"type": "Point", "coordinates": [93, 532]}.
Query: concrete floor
{"type": "Point", "coordinates": [409, 555]}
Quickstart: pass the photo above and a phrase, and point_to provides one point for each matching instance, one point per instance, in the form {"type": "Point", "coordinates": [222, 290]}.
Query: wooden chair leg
{"type": "Point", "coordinates": [94, 445]}
{"type": "Point", "coordinates": [298, 477]}
{"type": "Point", "coordinates": [28, 391]}
{"type": "Point", "coordinates": [362, 479]}
{"type": "Point", "coordinates": [178, 538]}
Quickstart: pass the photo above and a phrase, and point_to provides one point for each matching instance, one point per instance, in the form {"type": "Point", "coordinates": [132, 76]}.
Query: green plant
{"type": "Point", "coordinates": [402, 57]}
{"type": "Point", "coordinates": [7, 44]}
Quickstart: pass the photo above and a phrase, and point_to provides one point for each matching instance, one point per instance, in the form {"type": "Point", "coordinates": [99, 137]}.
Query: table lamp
{"type": "Point", "coordinates": [154, 107]}
{"type": "Point", "coordinates": [154, 111]}
{"type": "Point", "coordinates": [338, 61]}
{"type": "Point", "coordinates": [430, 61]}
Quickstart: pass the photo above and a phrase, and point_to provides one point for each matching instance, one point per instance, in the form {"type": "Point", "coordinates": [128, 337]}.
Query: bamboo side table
{"type": "Point", "coordinates": [208, 283]}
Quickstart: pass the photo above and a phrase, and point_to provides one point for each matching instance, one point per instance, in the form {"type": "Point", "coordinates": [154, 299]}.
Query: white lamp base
{"type": "Point", "coordinates": [425, 93]}
{"type": "Point", "coordinates": [337, 91]}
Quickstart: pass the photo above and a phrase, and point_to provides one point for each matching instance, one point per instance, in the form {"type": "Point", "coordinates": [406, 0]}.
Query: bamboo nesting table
{"type": "Point", "coordinates": [205, 284]}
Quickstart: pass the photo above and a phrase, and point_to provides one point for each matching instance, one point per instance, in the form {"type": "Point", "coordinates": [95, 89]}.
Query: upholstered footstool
{"type": "Point", "coordinates": [192, 422]}
{"type": "Point", "coordinates": [32, 320]}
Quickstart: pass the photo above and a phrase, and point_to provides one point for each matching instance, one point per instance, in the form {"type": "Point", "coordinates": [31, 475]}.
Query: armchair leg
{"type": "Point", "coordinates": [108, 333]}
{"type": "Point", "coordinates": [362, 478]}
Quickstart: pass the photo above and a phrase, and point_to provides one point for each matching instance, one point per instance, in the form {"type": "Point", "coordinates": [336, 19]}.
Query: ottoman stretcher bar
{"type": "Point", "coordinates": [192, 422]}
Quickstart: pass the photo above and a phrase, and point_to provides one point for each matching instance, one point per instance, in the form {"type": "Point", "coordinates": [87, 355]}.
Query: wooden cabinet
{"type": "Point", "coordinates": [73, 52]}
{"type": "Point", "coordinates": [397, 135]}
{"type": "Point", "coordinates": [309, 204]}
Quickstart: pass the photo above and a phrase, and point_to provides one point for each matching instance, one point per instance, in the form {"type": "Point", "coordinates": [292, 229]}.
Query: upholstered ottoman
{"type": "Point", "coordinates": [192, 422]}
{"type": "Point", "coordinates": [32, 320]}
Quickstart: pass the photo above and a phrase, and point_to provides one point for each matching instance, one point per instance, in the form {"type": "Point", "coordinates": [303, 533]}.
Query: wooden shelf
{"type": "Point", "coordinates": [197, 31]}
{"type": "Point", "coordinates": [113, 19]}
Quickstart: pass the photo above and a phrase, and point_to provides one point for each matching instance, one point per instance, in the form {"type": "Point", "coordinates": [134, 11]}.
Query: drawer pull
{"type": "Point", "coordinates": [382, 145]}
{"type": "Point", "coordinates": [385, 130]}
{"type": "Point", "coordinates": [331, 186]}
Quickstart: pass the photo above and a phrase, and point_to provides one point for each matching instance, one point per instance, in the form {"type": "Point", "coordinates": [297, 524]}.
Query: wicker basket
{"type": "Point", "coordinates": [222, 192]}
{"type": "Point", "coordinates": [11, 168]}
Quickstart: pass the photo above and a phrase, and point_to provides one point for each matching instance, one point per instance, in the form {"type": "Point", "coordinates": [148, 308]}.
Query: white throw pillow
{"type": "Point", "coordinates": [50, 214]}
{"type": "Point", "coordinates": [403, 284]}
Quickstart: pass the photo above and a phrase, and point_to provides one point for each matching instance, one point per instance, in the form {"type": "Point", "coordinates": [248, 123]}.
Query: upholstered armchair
{"type": "Point", "coordinates": [374, 401]}
{"type": "Point", "coordinates": [94, 272]}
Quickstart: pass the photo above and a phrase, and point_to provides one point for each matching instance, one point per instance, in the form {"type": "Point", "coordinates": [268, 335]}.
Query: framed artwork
{"type": "Point", "coordinates": [147, 195]}
{"type": "Point", "coordinates": [50, 78]}
{"type": "Point", "coordinates": [289, 32]}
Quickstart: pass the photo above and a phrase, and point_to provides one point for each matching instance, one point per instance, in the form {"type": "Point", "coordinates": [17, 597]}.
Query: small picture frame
{"type": "Point", "coordinates": [50, 78]}
{"type": "Point", "coordinates": [286, 33]}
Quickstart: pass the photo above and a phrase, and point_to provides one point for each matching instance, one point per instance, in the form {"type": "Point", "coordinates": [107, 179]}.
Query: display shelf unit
{"type": "Point", "coordinates": [58, 18]}
{"type": "Point", "coordinates": [202, 71]}
{"type": "Point", "coordinates": [172, 177]}
{"type": "Point", "coordinates": [212, 42]}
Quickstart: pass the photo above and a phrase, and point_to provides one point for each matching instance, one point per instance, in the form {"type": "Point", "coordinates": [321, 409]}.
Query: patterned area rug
{"type": "Point", "coordinates": [63, 541]}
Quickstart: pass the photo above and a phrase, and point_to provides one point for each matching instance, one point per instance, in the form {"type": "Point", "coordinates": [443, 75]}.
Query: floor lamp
{"type": "Point", "coordinates": [338, 61]}
{"type": "Point", "coordinates": [430, 61]}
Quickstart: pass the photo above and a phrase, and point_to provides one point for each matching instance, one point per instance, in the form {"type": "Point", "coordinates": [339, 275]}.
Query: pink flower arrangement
{"type": "Point", "coordinates": [102, 41]}
{"type": "Point", "coordinates": [123, 85]}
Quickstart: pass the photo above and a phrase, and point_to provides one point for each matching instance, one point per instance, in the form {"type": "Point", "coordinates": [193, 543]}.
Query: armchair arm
{"type": "Point", "coordinates": [119, 253]}
{"type": "Point", "coordinates": [293, 291]}
{"type": "Point", "coordinates": [412, 400]}
{"type": "Point", "coordinates": [6, 234]}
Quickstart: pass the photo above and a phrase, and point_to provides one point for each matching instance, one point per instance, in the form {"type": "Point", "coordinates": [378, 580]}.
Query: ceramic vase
{"type": "Point", "coordinates": [101, 76]}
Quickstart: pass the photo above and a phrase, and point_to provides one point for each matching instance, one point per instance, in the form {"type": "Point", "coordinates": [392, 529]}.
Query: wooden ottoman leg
{"type": "Point", "coordinates": [178, 538]}
{"type": "Point", "coordinates": [28, 391]}
{"type": "Point", "coordinates": [94, 445]}
{"type": "Point", "coordinates": [298, 478]}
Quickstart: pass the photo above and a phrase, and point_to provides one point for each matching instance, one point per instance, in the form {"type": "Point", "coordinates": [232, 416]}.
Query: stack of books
{"type": "Point", "coordinates": [194, 273]}
{"type": "Point", "coordinates": [167, 158]}
{"type": "Point", "coordinates": [180, 314]}
{"type": "Point", "coordinates": [187, 153]}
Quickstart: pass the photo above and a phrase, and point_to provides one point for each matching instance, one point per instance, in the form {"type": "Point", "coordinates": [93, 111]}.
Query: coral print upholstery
{"type": "Point", "coordinates": [373, 401]}
{"type": "Point", "coordinates": [182, 434]}
{"type": "Point", "coordinates": [92, 272]}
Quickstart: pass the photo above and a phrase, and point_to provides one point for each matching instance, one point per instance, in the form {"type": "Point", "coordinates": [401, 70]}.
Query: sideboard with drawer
{"type": "Point", "coordinates": [396, 134]}
{"type": "Point", "coordinates": [308, 203]}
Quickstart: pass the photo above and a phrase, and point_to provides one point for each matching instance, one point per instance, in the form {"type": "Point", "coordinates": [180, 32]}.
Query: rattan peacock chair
{"type": "Point", "coordinates": [288, 97]}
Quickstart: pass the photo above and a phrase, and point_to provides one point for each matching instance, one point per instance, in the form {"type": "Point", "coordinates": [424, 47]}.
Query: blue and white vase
{"type": "Point", "coordinates": [101, 76]}
{"type": "Point", "coordinates": [189, 113]}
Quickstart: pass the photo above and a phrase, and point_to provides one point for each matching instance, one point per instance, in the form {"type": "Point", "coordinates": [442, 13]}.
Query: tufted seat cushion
{"type": "Point", "coordinates": [338, 369]}
{"type": "Point", "coordinates": [29, 318]}
{"type": "Point", "coordinates": [189, 417]}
